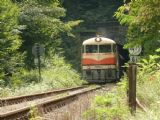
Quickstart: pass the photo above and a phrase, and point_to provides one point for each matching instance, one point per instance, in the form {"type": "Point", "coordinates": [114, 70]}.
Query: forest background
{"type": "Point", "coordinates": [57, 25]}
{"type": "Point", "coordinates": [60, 26]}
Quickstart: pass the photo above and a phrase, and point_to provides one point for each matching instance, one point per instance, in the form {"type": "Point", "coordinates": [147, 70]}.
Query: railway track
{"type": "Point", "coordinates": [25, 98]}
{"type": "Point", "coordinates": [20, 110]}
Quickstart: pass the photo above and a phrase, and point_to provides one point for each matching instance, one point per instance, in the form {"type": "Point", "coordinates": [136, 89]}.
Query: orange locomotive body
{"type": "Point", "coordinates": [100, 61]}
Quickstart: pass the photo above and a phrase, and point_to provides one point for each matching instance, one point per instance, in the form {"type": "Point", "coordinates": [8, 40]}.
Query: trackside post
{"type": "Point", "coordinates": [38, 51]}
{"type": "Point", "coordinates": [132, 76]}
{"type": "Point", "coordinates": [132, 71]}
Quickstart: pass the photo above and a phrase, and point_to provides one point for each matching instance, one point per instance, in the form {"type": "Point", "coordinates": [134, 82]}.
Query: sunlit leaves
{"type": "Point", "coordinates": [9, 38]}
{"type": "Point", "coordinates": [142, 18]}
{"type": "Point", "coordinates": [44, 25]}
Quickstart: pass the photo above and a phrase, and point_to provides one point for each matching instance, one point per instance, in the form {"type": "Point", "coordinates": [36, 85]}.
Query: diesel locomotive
{"type": "Point", "coordinates": [99, 60]}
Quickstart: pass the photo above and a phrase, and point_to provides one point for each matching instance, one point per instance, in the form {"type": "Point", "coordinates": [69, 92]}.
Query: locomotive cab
{"type": "Point", "coordinates": [99, 60]}
{"type": "Point", "coordinates": [108, 48]}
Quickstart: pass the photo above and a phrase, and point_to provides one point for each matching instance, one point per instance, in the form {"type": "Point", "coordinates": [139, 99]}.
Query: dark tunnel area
{"type": "Point", "coordinates": [123, 58]}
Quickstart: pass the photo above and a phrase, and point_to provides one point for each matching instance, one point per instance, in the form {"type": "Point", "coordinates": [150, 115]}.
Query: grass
{"type": "Point", "coordinates": [148, 92]}
{"type": "Point", "coordinates": [109, 106]}
{"type": "Point", "coordinates": [56, 74]}
{"type": "Point", "coordinates": [114, 105]}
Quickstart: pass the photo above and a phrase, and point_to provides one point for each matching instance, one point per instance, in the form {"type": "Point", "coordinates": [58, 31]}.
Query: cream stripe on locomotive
{"type": "Point", "coordinates": [97, 56]}
{"type": "Point", "coordinates": [98, 67]}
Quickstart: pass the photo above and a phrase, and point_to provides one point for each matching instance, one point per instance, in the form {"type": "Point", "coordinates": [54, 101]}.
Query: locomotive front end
{"type": "Point", "coordinates": [99, 60]}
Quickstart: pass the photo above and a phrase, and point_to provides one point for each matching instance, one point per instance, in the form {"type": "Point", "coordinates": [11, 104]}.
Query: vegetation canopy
{"type": "Point", "coordinates": [142, 19]}
{"type": "Point", "coordinates": [24, 23]}
{"type": "Point", "coordinates": [10, 40]}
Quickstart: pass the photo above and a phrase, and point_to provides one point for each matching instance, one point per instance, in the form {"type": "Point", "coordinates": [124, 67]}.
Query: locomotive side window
{"type": "Point", "coordinates": [114, 48]}
{"type": "Point", "coordinates": [91, 48]}
{"type": "Point", "coordinates": [105, 48]}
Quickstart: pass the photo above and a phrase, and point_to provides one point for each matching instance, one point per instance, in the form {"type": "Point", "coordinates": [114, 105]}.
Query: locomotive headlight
{"type": "Point", "coordinates": [98, 39]}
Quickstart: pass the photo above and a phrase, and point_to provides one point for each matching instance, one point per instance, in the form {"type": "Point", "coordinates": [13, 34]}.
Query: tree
{"type": "Point", "coordinates": [9, 38]}
{"type": "Point", "coordinates": [142, 19]}
{"type": "Point", "coordinates": [44, 25]}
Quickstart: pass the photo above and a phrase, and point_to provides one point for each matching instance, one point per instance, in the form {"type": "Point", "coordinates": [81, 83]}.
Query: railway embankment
{"type": "Point", "coordinates": [114, 105]}
{"type": "Point", "coordinates": [108, 103]}
{"type": "Point", "coordinates": [103, 104]}
{"type": "Point", "coordinates": [69, 105]}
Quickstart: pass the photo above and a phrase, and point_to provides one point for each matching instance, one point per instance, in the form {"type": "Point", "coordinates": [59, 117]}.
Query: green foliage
{"type": "Point", "coordinates": [5, 92]}
{"type": "Point", "coordinates": [34, 115]}
{"type": "Point", "coordinates": [91, 11]}
{"type": "Point", "coordinates": [109, 106]}
{"type": "Point", "coordinates": [143, 23]}
{"type": "Point", "coordinates": [148, 66]}
{"type": "Point", "coordinates": [56, 74]}
{"type": "Point", "coordinates": [43, 25]}
{"type": "Point", "coordinates": [113, 105]}
{"type": "Point", "coordinates": [24, 76]}
{"type": "Point", "coordinates": [60, 74]}
{"type": "Point", "coordinates": [148, 89]}
{"type": "Point", "coordinates": [10, 58]}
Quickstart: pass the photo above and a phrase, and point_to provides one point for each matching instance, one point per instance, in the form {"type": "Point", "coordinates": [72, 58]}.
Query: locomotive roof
{"type": "Point", "coordinates": [103, 40]}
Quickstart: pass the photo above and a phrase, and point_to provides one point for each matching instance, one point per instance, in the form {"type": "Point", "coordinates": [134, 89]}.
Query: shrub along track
{"type": "Point", "coordinates": [21, 110]}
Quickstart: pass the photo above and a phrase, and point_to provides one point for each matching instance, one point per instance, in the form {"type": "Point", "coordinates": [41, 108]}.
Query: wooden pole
{"type": "Point", "coordinates": [39, 67]}
{"type": "Point", "coordinates": [132, 87]}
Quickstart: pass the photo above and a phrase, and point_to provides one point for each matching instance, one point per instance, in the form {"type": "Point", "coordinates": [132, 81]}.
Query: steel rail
{"type": "Point", "coordinates": [24, 98]}
{"type": "Point", "coordinates": [45, 107]}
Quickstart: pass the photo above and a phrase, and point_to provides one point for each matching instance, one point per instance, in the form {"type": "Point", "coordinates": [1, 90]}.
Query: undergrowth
{"type": "Point", "coordinates": [109, 106]}
{"type": "Point", "coordinates": [55, 74]}
{"type": "Point", "coordinates": [114, 105]}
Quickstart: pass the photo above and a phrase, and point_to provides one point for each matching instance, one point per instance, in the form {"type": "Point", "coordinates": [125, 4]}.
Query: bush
{"type": "Point", "coordinates": [56, 74]}
{"type": "Point", "coordinates": [114, 106]}
{"type": "Point", "coordinates": [109, 106]}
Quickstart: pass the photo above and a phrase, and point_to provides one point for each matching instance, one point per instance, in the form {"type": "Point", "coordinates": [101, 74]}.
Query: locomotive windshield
{"type": "Point", "coordinates": [97, 49]}
{"type": "Point", "coordinates": [91, 48]}
{"type": "Point", "coordinates": [105, 48]}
